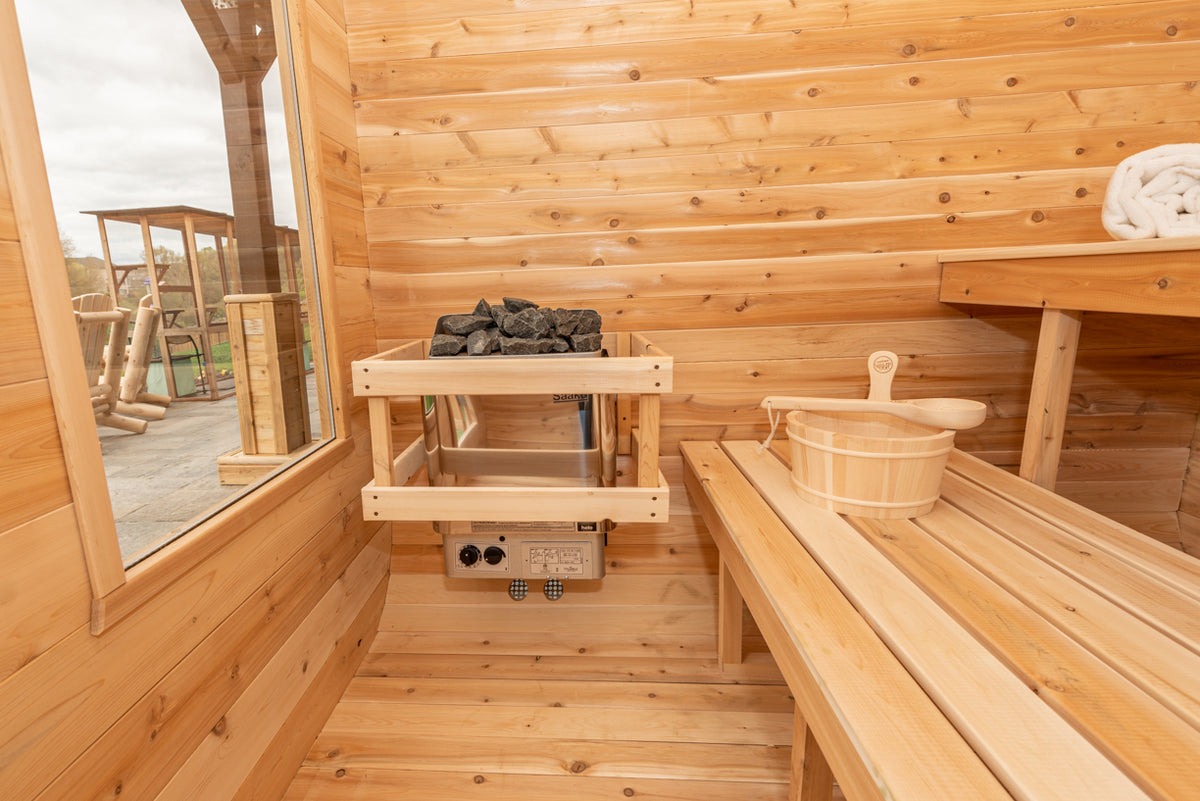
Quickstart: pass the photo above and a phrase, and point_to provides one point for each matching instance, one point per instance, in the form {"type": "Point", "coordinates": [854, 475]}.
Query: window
{"type": "Point", "coordinates": [165, 135]}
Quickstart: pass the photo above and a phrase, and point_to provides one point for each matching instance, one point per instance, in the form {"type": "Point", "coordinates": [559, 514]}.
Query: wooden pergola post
{"type": "Point", "coordinates": [240, 39]}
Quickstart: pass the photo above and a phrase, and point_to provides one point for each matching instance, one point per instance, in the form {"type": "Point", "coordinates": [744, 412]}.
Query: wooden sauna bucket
{"type": "Point", "coordinates": [867, 464]}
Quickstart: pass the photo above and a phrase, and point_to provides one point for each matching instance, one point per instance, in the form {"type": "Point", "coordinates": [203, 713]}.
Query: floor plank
{"type": "Point", "coordinates": [441, 727]}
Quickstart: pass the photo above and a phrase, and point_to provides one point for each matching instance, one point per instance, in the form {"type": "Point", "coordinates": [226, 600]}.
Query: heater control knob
{"type": "Point", "coordinates": [493, 555]}
{"type": "Point", "coordinates": [469, 555]}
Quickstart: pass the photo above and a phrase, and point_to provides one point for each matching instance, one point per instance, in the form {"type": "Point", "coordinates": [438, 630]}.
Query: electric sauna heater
{"type": "Point", "coordinates": [508, 440]}
{"type": "Point", "coordinates": [525, 462]}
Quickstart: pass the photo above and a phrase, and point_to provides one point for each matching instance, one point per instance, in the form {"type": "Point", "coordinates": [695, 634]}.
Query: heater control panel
{"type": "Point", "coordinates": [524, 554]}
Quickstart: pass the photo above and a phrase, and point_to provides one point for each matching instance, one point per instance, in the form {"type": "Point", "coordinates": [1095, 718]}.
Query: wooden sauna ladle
{"type": "Point", "coordinates": [956, 413]}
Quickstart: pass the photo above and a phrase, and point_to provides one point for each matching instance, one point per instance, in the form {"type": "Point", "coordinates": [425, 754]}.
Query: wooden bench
{"type": "Point", "coordinates": [1009, 644]}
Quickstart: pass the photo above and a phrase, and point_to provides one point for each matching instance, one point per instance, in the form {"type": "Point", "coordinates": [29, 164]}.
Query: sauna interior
{"type": "Point", "coordinates": [768, 192]}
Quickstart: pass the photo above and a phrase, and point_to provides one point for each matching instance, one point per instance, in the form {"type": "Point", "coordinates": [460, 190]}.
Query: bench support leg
{"type": "Point", "coordinates": [812, 780]}
{"type": "Point", "coordinates": [1058, 344]}
{"type": "Point", "coordinates": [729, 619]}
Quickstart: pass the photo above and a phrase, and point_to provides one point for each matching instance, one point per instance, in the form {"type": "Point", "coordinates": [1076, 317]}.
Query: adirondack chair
{"type": "Point", "coordinates": [103, 330]}
{"type": "Point", "coordinates": [133, 398]}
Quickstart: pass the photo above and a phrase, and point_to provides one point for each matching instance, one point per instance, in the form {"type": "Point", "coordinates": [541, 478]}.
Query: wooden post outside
{"type": "Point", "coordinates": [1058, 344]}
{"type": "Point", "coordinates": [268, 363]}
{"type": "Point", "coordinates": [193, 261]}
{"type": "Point", "coordinates": [241, 43]}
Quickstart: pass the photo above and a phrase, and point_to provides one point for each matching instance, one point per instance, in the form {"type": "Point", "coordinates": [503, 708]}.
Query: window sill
{"type": "Point", "coordinates": [148, 579]}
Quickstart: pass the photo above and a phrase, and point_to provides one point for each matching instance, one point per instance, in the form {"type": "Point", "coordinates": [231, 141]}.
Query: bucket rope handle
{"type": "Point", "coordinates": [774, 418]}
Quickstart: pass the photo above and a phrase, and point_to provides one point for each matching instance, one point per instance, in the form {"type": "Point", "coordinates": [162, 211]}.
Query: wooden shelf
{"type": "Point", "coordinates": [405, 372]}
{"type": "Point", "coordinates": [1149, 276]}
{"type": "Point", "coordinates": [1146, 276]}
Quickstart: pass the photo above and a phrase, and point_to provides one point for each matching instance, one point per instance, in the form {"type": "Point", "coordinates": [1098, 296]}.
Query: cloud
{"type": "Point", "coordinates": [129, 111]}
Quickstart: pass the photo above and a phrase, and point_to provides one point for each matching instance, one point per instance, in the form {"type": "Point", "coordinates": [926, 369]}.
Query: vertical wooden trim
{"type": "Point", "coordinates": [729, 618]}
{"type": "Point", "coordinates": [1058, 344]}
{"type": "Point", "coordinates": [316, 242]}
{"type": "Point", "coordinates": [624, 402]}
{"type": "Point", "coordinates": [383, 452]}
{"type": "Point", "coordinates": [649, 414]}
{"type": "Point", "coordinates": [21, 149]}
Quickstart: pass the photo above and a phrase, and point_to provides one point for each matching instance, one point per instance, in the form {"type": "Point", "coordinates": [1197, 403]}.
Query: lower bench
{"type": "Point", "coordinates": [1009, 644]}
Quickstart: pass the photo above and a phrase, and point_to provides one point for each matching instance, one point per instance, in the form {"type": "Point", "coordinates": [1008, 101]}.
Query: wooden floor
{"type": "Point", "coordinates": [442, 727]}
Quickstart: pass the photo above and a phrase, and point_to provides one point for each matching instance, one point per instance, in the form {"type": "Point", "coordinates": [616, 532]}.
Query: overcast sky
{"type": "Point", "coordinates": [129, 110]}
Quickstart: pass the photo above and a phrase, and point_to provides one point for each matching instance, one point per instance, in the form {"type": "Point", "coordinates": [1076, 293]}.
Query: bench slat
{"type": "Point", "coordinates": [1141, 594]}
{"type": "Point", "coordinates": [1142, 553]}
{"type": "Point", "coordinates": [882, 735]}
{"type": "Point", "coordinates": [1149, 742]}
{"type": "Point", "coordinates": [992, 708]}
{"type": "Point", "coordinates": [1156, 663]}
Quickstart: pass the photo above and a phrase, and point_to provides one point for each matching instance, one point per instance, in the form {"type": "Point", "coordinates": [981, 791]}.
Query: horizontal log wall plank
{"type": "Point", "coordinates": [896, 43]}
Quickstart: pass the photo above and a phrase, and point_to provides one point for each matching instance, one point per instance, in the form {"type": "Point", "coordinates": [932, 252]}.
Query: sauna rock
{"type": "Point", "coordinates": [517, 327]}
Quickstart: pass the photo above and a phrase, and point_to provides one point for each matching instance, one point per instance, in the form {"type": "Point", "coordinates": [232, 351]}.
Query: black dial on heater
{"type": "Point", "coordinates": [493, 555]}
{"type": "Point", "coordinates": [469, 555]}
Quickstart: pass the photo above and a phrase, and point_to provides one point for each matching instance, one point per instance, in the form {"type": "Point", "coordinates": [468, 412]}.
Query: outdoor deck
{"type": "Point", "coordinates": [163, 479]}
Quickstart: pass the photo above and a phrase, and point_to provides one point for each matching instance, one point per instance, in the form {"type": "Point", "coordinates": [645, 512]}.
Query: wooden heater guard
{"type": "Point", "coordinates": [405, 373]}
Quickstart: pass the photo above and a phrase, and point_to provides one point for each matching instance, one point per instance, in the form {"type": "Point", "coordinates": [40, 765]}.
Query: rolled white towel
{"type": "Point", "coordinates": [1155, 193]}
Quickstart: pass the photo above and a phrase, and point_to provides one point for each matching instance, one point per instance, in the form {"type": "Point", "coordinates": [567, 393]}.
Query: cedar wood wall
{"type": "Point", "coordinates": [761, 186]}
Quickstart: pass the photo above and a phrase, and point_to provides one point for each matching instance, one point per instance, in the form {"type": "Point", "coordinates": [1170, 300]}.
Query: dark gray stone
{"type": "Point", "coordinates": [483, 341]}
{"type": "Point", "coordinates": [559, 345]}
{"type": "Point", "coordinates": [527, 324]}
{"type": "Point", "coordinates": [482, 308]}
{"type": "Point", "coordinates": [565, 321]}
{"type": "Point", "coordinates": [589, 322]}
{"type": "Point", "coordinates": [586, 343]}
{"type": "Point", "coordinates": [446, 345]}
{"type": "Point", "coordinates": [463, 324]}
{"type": "Point", "coordinates": [514, 346]}
{"type": "Point", "coordinates": [515, 305]}
{"type": "Point", "coordinates": [499, 315]}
